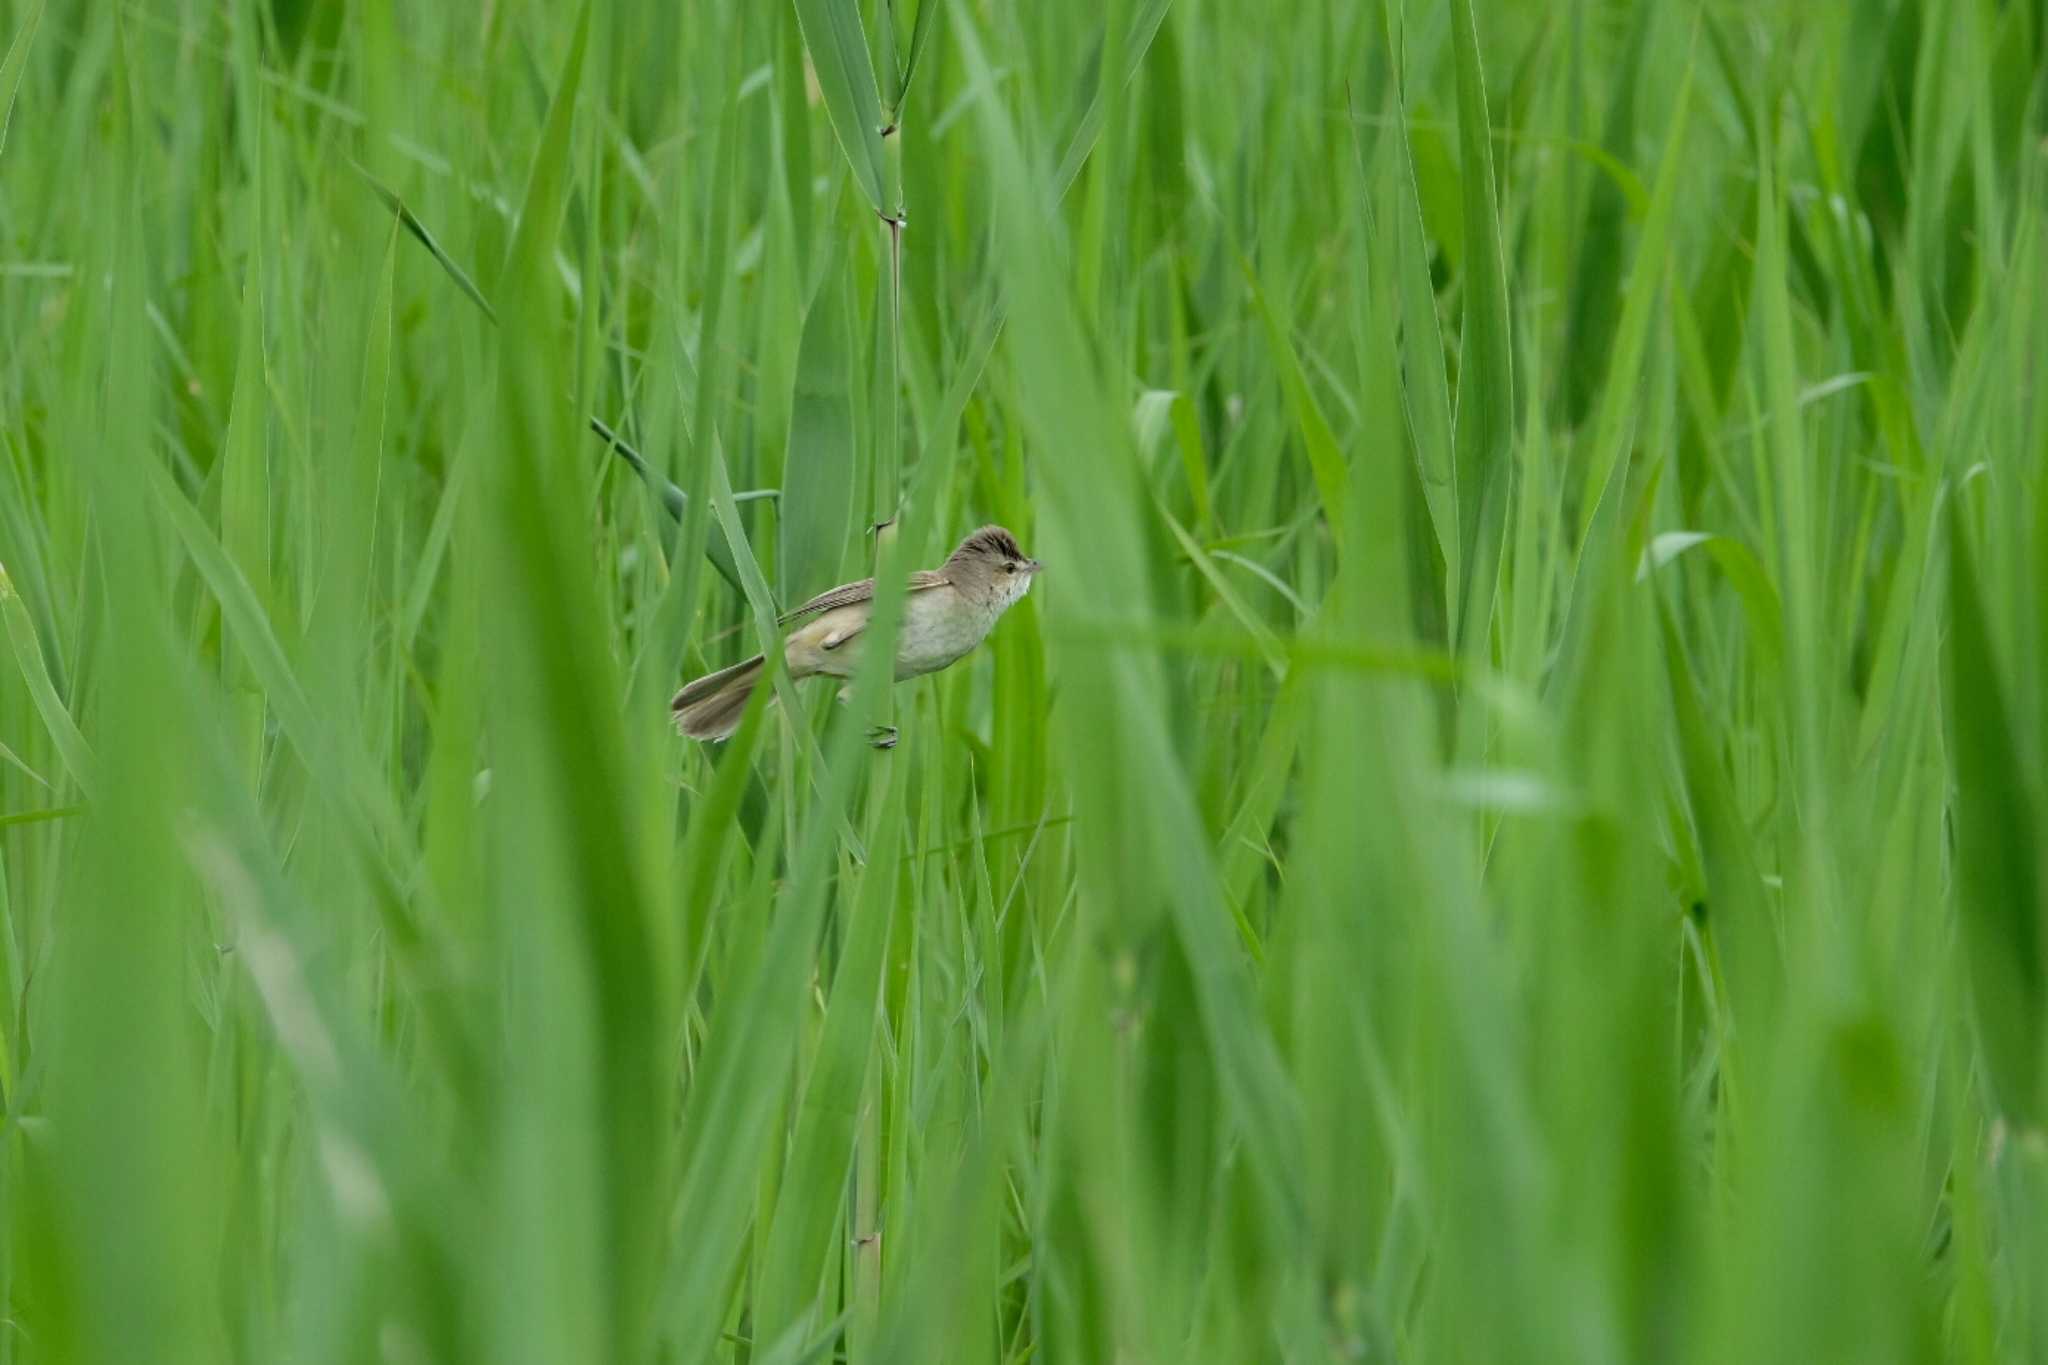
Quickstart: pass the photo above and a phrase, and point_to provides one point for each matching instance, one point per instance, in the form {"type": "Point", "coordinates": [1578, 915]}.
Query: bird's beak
{"type": "Point", "coordinates": [1033, 567]}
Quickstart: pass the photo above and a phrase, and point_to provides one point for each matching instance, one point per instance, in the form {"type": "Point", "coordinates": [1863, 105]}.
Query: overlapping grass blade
{"type": "Point", "coordinates": [810, 1203]}
{"type": "Point", "coordinates": [28, 657]}
{"type": "Point", "coordinates": [11, 68]}
{"type": "Point", "coordinates": [1631, 336]}
{"type": "Point", "coordinates": [673, 499]}
{"type": "Point", "coordinates": [1486, 403]}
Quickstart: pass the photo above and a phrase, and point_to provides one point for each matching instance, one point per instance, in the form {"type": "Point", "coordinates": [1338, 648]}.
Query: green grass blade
{"type": "Point", "coordinates": [713, 829]}
{"type": "Point", "coordinates": [1325, 458]}
{"type": "Point", "coordinates": [1595, 304]}
{"type": "Point", "coordinates": [921, 30]}
{"type": "Point", "coordinates": [245, 491]}
{"type": "Point", "coordinates": [14, 759]}
{"type": "Point", "coordinates": [2000, 894]}
{"type": "Point", "coordinates": [1269, 647]}
{"type": "Point", "coordinates": [420, 233]}
{"type": "Point", "coordinates": [812, 1198]}
{"type": "Point", "coordinates": [1144, 28]}
{"type": "Point", "coordinates": [28, 657]}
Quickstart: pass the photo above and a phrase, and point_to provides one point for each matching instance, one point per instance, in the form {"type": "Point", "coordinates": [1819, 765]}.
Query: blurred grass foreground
{"type": "Point", "coordinates": [1513, 829]}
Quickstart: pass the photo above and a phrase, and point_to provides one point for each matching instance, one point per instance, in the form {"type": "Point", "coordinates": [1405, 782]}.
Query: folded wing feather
{"type": "Point", "coordinates": [846, 594]}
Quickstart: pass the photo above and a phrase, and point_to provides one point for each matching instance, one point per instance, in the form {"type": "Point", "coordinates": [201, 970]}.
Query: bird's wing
{"type": "Point", "coordinates": [846, 594]}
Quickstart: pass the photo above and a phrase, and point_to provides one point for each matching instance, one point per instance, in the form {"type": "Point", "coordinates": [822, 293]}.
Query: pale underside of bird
{"type": "Point", "coordinates": [946, 613]}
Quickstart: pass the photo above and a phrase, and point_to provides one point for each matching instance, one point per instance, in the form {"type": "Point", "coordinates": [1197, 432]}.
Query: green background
{"type": "Point", "coordinates": [1510, 830]}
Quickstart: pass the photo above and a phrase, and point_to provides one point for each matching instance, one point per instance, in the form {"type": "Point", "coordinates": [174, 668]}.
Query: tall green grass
{"type": "Point", "coordinates": [1512, 829]}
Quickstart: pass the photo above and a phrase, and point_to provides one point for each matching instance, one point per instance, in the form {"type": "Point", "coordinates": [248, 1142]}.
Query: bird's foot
{"type": "Point", "coordinates": [882, 736]}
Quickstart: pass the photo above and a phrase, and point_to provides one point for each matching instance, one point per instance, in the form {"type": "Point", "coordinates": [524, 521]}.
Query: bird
{"type": "Point", "coordinates": [947, 612]}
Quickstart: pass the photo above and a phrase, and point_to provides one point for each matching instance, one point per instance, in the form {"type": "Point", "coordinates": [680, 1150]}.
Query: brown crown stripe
{"type": "Point", "coordinates": [997, 539]}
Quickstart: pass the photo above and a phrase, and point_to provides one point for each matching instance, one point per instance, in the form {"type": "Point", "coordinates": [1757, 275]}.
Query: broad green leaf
{"type": "Point", "coordinates": [818, 474]}
{"type": "Point", "coordinates": [846, 79]}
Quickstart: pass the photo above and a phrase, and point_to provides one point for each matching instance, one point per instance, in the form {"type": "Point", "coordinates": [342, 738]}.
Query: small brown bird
{"type": "Point", "coordinates": [947, 613]}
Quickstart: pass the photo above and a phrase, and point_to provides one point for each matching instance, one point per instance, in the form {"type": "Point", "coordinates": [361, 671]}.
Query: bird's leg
{"type": "Point", "coordinates": [879, 736]}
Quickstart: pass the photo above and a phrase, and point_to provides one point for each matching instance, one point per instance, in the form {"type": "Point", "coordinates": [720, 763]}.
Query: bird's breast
{"type": "Point", "coordinates": [939, 626]}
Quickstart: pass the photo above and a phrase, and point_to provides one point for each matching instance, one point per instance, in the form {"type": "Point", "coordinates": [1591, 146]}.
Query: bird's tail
{"type": "Point", "coordinates": [711, 706]}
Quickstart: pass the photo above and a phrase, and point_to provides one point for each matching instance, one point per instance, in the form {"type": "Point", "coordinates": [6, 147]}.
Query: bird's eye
{"type": "Point", "coordinates": [1010, 567]}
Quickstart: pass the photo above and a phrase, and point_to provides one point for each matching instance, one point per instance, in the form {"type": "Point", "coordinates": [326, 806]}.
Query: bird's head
{"type": "Point", "coordinates": [991, 565]}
